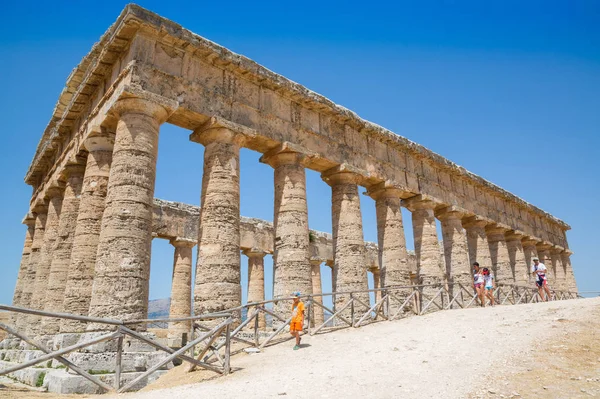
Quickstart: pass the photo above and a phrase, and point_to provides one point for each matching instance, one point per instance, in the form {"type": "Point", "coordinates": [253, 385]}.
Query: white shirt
{"type": "Point", "coordinates": [488, 280]}
{"type": "Point", "coordinates": [477, 277]}
{"type": "Point", "coordinates": [540, 270]}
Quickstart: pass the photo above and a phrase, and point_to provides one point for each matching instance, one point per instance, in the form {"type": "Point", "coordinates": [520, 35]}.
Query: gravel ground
{"type": "Point", "coordinates": [506, 351]}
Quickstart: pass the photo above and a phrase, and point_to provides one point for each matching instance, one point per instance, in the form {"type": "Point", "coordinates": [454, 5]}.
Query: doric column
{"type": "Point", "coordinates": [29, 220]}
{"type": "Point", "coordinates": [456, 250]}
{"type": "Point", "coordinates": [376, 283]}
{"type": "Point", "coordinates": [530, 252]}
{"type": "Point", "coordinates": [499, 254]}
{"type": "Point", "coordinates": [82, 263]}
{"type": "Point", "coordinates": [59, 269]}
{"type": "Point", "coordinates": [217, 284]}
{"type": "Point", "coordinates": [329, 263]}
{"type": "Point", "coordinates": [479, 251]}
{"type": "Point", "coordinates": [393, 259]}
{"type": "Point", "coordinates": [427, 248]}
{"type": "Point", "coordinates": [557, 266]}
{"type": "Point", "coordinates": [318, 316]}
{"type": "Point", "coordinates": [41, 213]}
{"type": "Point", "coordinates": [292, 270]}
{"type": "Point", "coordinates": [543, 250]}
{"type": "Point", "coordinates": [122, 270]}
{"type": "Point", "coordinates": [570, 282]}
{"type": "Point", "coordinates": [256, 282]}
{"type": "Point", "coordinates": [349, 272]}
{"type": "Point", "coordinates": [181, 291]}
{"type": "Point", "coordinates": [55, 195]}
{"type": "Point", "coordinates": [516, 256]}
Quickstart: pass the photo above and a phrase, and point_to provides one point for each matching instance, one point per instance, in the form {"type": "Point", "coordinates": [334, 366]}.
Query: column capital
{"type": "Point", "coordinates": [530, 241]}
{"type": "Point", "coordinates": [55, 189]}
{"type": "Point", "coordinates": [180, 242]}
{"type": "Point", "coordinates": [421, 201]}
{"type": "Point", "coordinates": [543, 246]}
{"type": "Point", "coordinates": [497, 228]}
{"type": "Point", "coordinates": [568, 252]}
{"type": "Point", "coordinates": [514, 235]}
{"type": "Point", "coordinates": [386, 190]}
{"type": "Point", "coordinates": [287, 153]}
{"type": "Point", "coordinates": [330, 263]}
{"type": "Point", "coordinates": [557, 249]}
{"type": "Point", "coordinates": [73, 170]}
{"type": "Point", "coordinates": [343, 174]}
{"type": "Point", "coordinates": [136, 105]}
{"type": "Point", "coordinates": [219, 130]}
{"type": "Point", "coordinates": [254, 252]}
{"type": "Point", "coordinates": [99, 139]}
{"type": "Point", "coordinates": [452, 212]}
{"type": "Point", "coordinates": [315, 260]}
{"type": "Point", "coordinates": [29, 219]}
{"type": "Point", "coordinates": [476, 221]}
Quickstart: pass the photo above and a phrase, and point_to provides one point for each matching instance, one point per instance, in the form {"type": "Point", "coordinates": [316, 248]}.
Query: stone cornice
{"type": "Point", "coordinates": [106, 52]}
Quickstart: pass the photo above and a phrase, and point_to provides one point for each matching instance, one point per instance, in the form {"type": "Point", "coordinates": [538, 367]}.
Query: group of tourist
{"type": "Point", "coordinates": [484, 282]}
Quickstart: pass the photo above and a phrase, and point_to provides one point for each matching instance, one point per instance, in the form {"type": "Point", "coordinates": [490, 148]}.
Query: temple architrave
{"type": "Point", "coordinates": [93, 215]}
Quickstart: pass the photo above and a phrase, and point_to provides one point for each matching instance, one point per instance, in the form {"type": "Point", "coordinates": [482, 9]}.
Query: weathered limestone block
{"type": "Point", "coordinates": [479, 250]}
{"type": "Point", "coordinates": [120, 288]}
{"type": "Point", "coordinates": [59, 270]}
{"type": "Point", "coordinates": [393, 259]}
{"type": "Point", "coordinates": [256, 283]}
{"type": "Point", "coordinates": [516, 255]}
{"type": "Point", "coordinates": [217, 284]}
{"type": "Point", "coordinates": [530, 252]}
{"type": "Point", "coordinates": [318, 316]}
{"type": "Point", "coordinates": [456, 252]}
{"type": "Point", "coordinates": [78, 292]}
{"type": "Point", "coordinates": [43, 268]}
{"type": "Point", "coordinates": [291, 266]}
{"type": "Point", "coordinates": [349, 273]}
{"type": "Point", "coordinates": [501, 264]}
{"type": "Point", "coordinates": [181, 292]}
{"type": "Point", "coordinates": [29, 220]}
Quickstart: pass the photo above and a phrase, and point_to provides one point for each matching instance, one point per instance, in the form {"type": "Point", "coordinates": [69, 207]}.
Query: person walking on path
{"type": "Point", "coordinates": [490, 284]}
{"type": "Point", "coordinates": [538, 269]}
{"type": "Point", "coordinates": [478, 283]}
{"type": "Point", "coordinates": [297, 323]}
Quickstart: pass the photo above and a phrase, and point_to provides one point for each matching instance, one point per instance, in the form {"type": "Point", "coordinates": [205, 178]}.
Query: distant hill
{"type": "Point", "coordinates": [159, 308]}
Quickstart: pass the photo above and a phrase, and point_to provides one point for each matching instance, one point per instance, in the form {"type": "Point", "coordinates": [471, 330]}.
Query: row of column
{"type": "Point", "coordinates": [88, 250]}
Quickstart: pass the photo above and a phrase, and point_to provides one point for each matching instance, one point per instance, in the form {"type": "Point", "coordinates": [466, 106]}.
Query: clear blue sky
{"type": "Point", "coordinates": [508, 89]}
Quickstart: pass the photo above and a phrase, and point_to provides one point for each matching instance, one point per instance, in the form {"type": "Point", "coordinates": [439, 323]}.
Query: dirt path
{"type": "Point", "coordinates": [546, 350]}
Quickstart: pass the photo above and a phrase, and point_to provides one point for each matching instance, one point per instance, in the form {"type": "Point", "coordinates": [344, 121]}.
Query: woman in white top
{"type": "Point", "coordinates": [490, 284]}
{"type": "Point", "coordinates": [478, 283]}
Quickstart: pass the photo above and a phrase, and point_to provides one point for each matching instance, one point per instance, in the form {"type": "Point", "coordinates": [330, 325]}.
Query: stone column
{"type": "Point", "coordinates": [217, 284]}
{"type": "Point", "coordinates": [570, 282]}
{"type": "Point", "coordinates": [329, 263]}
{"type": "Point", "coordinates": [120, 289]}
{"type": "Point", "coordinates": [41, 214]}
{"type": "Point", "coordinates": [393, 259]}
{"type": "Point", "coordinates": [181, 292]}
{"type": "Point", "coordinates": [543, 250]}
{"type": "Point", "coordinates": [530, 252]}
{"type": "Point", "coordinates": [427, 248]}
{"type": "Point", "coordinates": [456, 252]}
{"type": "Point", "coordinates": [292, 269]}
{"type": "Point", "coordinates": [29, 220]}
{"type": "Point", "coordinates": [499, 254]}
{"type": "Point", "coordinates": [318, 315]}
{"type": "Point", "coordinates": [557, 266]}
{"type": "Point", "coordinates": [256, 283]}
{"type": "Point", "coordinates": [78, 292]}
{"type": "Point", "coordinates": [376, 283]}
{"type": "Point", "coordinates": [517, 258]}
{"type": "Point", "coordinates": [59, 269]}
{"type": "Point", "coordinates": [348, 242]}
{"type": "Point", "coordinates": [479, 250]}
{"type": "Point", "coordinates": [40, 287]}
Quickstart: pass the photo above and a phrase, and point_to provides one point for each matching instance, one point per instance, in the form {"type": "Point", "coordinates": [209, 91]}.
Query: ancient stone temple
{"type": "Point", "coordinates": [93, 215]}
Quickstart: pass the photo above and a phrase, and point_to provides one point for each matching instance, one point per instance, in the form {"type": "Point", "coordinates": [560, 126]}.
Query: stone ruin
{"type": "Point", "coordinates": [93, 214]}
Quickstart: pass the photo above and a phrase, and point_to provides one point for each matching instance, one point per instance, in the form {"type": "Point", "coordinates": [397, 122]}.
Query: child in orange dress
{"type": "Point", "coordinates": [297, 323]}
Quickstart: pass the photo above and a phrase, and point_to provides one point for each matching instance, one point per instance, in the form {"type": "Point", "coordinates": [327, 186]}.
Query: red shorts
{"type": "Point", "coordinates": [295, 326]}
{"type": "Point", "coordinates": [478, 285]}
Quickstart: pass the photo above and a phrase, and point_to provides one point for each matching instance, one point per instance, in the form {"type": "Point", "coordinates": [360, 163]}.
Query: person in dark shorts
{"type": "Point", "coordinates": [538, 269]}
